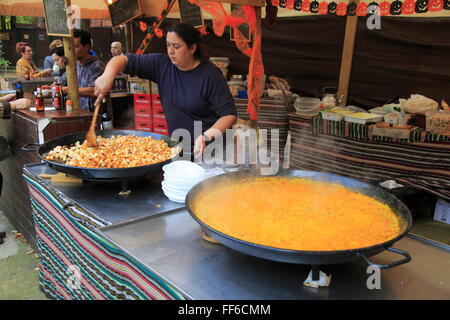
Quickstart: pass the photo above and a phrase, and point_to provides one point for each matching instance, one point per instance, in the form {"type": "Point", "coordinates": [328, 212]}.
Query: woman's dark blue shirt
{"type": "Point", "coordinates": [200, 94]}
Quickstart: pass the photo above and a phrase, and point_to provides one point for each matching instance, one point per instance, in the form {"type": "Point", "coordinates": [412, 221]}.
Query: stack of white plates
{"type": "Point", "coordinates": [179, 177]}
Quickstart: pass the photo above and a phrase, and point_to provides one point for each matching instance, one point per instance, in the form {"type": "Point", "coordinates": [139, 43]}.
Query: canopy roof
{"type": "Point", "coordinates": [90, 9]}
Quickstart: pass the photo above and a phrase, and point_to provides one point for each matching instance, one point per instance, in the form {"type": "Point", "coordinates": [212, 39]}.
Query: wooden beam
{"type": "Point", "coordinates": [71, 69]}
{"type": "Point", "coordinates": [347, 59]}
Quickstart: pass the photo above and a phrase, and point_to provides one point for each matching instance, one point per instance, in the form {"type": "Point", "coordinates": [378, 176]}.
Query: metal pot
{"type": "Point", "coordinates": [103, 174]}
{"type": "Point", "coordinates": [308, 257]}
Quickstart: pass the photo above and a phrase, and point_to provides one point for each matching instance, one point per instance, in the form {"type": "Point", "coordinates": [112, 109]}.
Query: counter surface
{"type": "Point", "coordinates": [103, 199]}
{"type": "Point", "coordinates": [170, 245]}
{"type": "Point", "coordinates": [166, 240]}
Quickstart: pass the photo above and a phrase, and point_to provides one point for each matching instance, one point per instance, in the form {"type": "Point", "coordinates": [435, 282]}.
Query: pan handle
{"type": "Point", "coordinates": [26, 147]}
{"type": "Point", "coordinates": [406, 259]}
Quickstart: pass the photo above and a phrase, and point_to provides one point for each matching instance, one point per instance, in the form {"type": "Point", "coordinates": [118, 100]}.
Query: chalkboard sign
{"type": "Point", "coordinates": [190, 13]}
{"type": "Point", "coordinates": [56, 18]}
{"type": "Point", "coordinates": [123, 11]}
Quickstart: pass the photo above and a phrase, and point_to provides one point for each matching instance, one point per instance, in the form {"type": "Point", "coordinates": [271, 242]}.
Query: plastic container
{"type": "Point", "coordinates": [363, 118]}
{"type": "Point", "coordinates": [306, 104]}
{"type": "Point", "coordinates": [236, 86]}
{"type": "Point", "coordinates": [438, 121]}
{"type": "Point", "coordinates": [335, 114]}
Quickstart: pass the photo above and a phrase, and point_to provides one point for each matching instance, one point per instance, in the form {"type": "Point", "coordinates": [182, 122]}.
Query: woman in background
{"type": "Point", "coordinates": [49, 63]}
{"type": "Point", "coordinates": [25, 64]}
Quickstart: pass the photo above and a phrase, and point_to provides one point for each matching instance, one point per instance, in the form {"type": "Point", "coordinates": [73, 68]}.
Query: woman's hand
{"type": "Point", "coordinates": [103, 85]}
{"type": "Point", "coordinates": [199, 146]}
{"type": "Point", "coordinates": [20, 104]}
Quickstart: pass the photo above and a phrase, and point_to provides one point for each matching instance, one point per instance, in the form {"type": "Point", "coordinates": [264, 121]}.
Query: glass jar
{"type": "Point", "coordinates": [236, 86]}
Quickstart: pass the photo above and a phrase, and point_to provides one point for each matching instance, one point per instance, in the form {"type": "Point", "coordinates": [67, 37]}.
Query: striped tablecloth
{"type": "Point", "coordinates": [420, 165]}
{"type": "Point", "coordinates": [78, 263]}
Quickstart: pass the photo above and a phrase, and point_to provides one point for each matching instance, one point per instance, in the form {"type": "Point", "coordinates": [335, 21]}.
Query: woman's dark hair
{"type": "Point", "coordinates": [190, 36]}
{"type": "Point", "coordinates": [59, 51]}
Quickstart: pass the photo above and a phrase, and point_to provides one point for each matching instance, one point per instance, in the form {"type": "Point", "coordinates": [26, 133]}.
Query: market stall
{"type": "Point", "coordinates": [95, 245]}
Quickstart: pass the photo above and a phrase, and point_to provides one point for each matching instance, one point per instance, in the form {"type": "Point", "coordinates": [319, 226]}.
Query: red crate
{"type": "Point", "coordinates": [141, 100]}
{"type": "Point", "coordinates": [156, 101]}
{"type": "Point", "coordinates": [159, 123]}
{"type": "Point", "coordinates": [161, 131]}
{"type": "Point", "coordinates": [142, 112]}
{"type": "Point", "coordinates": [158, 114]}
{"type": "Point", "coordinates": [142, 106]}
{"type": "Point", "coordinates": [143, 124]}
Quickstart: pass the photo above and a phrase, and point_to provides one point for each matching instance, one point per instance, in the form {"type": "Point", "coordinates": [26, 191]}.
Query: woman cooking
{"type": "Point", "coordinates": [25, 64]}
{"type": "Point", "coordinates": [190, 87]}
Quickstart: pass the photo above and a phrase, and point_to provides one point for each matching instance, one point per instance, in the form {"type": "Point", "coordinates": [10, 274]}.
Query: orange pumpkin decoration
{"type": "Point", "coordinates": [323, 7]}
{"type": "Point", "coordinates": [435, 5]}
{"type": "Point", "coordinates": [385, 8]}
{"type": "Point", "coordinates": [361, 10]}
{"type": "Point", "coordinates": [408, 7]}
{"type": "Point", "coordinates": [306, 5]}
{"type": "Point", "coordinates": [341, 9]}
{"type": "Point", "coordinates": [290, 4]}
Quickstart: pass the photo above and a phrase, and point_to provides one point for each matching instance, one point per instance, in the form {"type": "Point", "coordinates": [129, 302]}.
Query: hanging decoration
{"type": "Point", "coordinates": [350, 8]}
{"type": "Point", "coordinates": [421, 6]}
{"type": "Point", "coordinates": [408, 7]}
{"type": "Point", "coordinates": [385, 8]}
{"type": "Point", "coordinates": [243, 15]}
{"type": "Point", "coordinates": [142, 26]}
{"type": "Point", "coordinates": [154, 29]}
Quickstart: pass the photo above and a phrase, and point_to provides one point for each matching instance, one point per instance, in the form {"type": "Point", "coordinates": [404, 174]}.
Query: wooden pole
{"type": "Point", "coordinates": [128, 36]}
{"type": "Point", "coordinates": [347, 58]}
{"type": "Point", "coordinates": [71, 69]}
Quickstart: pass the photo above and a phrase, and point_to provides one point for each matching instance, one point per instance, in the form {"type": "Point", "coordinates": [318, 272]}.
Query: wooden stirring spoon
{"type": "Point", "coordinates": [91, 138]}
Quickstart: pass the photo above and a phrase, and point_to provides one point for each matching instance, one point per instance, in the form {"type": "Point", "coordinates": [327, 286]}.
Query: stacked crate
{"type": "Point", "coordinates": [159, 119]}
{"type": "Point", "coordinates": [143, 112]}
{"type": "Point", "coordinates": [149, 114]}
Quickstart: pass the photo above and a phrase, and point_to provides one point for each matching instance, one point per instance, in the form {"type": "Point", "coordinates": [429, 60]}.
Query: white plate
{"type": "Point", "coordinates": [180, 180]}
{"type": "Point", "coordinates": [184, 169]}
{"type": "Point", "coordinates": [174, 197]}
{"type": "Point", "coordinates": [176, 188]}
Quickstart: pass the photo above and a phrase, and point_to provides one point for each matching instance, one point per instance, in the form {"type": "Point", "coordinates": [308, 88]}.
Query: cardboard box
{"type": "Point", "coordinates": [139, 86]}
{"type": "Point", "coordinates": [442, 211]}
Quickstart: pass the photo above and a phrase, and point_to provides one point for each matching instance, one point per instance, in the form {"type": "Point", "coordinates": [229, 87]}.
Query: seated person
{"type": "Point", "coordinates": [25, 63]}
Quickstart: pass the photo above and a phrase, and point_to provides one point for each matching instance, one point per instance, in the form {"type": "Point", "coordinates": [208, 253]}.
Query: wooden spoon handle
{"type": "Point", "coordinates": [91, 137]}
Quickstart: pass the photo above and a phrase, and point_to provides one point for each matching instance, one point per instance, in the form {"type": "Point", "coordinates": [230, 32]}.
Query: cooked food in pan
{"type": "Point", "coordinates": [297, 214]}
{"type": "Point", "coordinates": [115, 152]}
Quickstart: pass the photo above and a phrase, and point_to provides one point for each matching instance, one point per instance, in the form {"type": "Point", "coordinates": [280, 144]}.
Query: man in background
{"type": "Point", "coordinates": [89, 68]}
{"type": "Point", "coordinates": [116, 49]}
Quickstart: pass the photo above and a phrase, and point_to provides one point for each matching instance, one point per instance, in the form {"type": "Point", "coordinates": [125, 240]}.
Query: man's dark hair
{"type": "Point", "coordinates": [190, 36]}
{"type": "Point", "coordinates": [85, 37]}
{"type": "Point", "coordinates": [58, 50]}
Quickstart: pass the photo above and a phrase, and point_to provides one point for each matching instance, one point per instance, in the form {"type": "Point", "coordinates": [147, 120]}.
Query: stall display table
{"type": "Point", "coordinates": [94, 244]}
{"type": "Point", "coordinates": [28, 127]}
{"type": "Point", "coordinates": [347, 150]}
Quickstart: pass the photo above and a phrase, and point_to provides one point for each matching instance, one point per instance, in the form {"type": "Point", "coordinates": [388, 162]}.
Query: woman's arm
{"type": "Point", "coordinates": [104, 83]}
